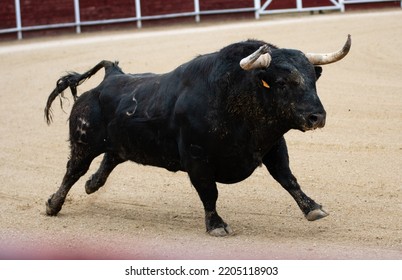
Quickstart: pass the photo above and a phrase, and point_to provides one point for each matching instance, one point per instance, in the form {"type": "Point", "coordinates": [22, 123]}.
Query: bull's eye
{"type": "Point", "coordinates": [280, 83]}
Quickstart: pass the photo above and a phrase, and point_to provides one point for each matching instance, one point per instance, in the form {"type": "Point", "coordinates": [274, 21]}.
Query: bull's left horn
{"type": "Point", "coordinates": [326, 58]}
{"type": "Point", "coordinates": [258, 59]}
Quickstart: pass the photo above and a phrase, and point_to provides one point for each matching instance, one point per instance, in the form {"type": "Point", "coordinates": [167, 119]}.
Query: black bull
{"type": "Point", "coordinates": [217, 117]}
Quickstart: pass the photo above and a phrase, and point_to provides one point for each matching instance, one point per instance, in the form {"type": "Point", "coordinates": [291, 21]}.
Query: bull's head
{"type": "Point", "coordinates": [289, 78]}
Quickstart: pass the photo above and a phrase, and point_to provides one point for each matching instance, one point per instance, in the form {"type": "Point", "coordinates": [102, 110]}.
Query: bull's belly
{"type": "Point", "coordinates": [156, 156]}
{"type": "Point", "coordinates": [235, 170]}
{"type": "Point", "coordinates": [228, 170]}
{"type": "Point", "coordinates": [168, 162]}
{"type": "Point", "coordinates": [150, 147]}
{"type": "Point", "coordinates": [146, 143]}
{"type": "Point", "coordinates": [148, 152]}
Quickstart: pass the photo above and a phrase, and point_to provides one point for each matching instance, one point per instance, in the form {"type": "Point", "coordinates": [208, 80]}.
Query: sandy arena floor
{"type": "Point", "coordinates": [352, 166]}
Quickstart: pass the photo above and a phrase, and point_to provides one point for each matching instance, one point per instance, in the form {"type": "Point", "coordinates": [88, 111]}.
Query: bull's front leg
{"type": "Point", "coordinates": [277, 163]}
{"type": "Point", "coordinates": [208, 192]}
{"type": "Point", "coordinates": [203, 179]}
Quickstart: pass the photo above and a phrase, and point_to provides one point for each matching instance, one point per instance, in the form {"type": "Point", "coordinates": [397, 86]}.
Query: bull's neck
{"type": "Point", "coordinates": [263, 124]}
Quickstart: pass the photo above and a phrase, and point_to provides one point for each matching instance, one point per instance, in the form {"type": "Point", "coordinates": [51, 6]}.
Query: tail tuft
{"type": "Point", "coordinates": [72, 80]}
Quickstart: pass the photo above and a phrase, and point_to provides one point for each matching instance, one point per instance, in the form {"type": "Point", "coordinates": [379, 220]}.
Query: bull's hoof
{"type": "Point", "coordinates": [316, 214]}
{"type": "Point", "coordinates": [51, 210]}
{"type": "Point", "coordinates": [221, 232]}
{"type": "Point", "coordinates": [89, 186]}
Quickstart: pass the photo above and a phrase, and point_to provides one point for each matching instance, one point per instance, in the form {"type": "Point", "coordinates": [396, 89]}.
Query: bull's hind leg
{"type": "Point", "coordinates": [277, 162]}
{"type": "Point", "coordinates": [98, 179]}
{"type": "Point", "coordinates": [87, 141]}
{"type": "Point", "coordinates": [77, 166]}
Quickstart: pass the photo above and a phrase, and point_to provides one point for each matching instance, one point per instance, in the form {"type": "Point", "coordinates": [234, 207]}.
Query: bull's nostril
{"type": "Point", "coordinates": [316, 120]}
{"type": "Point", "coordinates": [313, 118]}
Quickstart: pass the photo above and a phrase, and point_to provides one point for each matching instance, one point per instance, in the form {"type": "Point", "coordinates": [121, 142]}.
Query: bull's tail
{"type": "Point", "coordinates": [73, 80]}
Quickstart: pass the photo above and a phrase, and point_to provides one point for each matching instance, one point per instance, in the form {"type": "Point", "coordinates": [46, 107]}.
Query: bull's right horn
{"type": "Point", "coordinates": [258, 59]}
{"type": "Point", "coordinates": [326, 58]}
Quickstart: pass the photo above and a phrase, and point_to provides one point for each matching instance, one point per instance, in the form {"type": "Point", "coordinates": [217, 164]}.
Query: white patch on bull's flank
{"type": "Point", "coordinates": [82, 127]}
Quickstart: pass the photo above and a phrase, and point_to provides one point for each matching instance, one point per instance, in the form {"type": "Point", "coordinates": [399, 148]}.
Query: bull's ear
{"type": "Point", "coordinates": [318, 71]}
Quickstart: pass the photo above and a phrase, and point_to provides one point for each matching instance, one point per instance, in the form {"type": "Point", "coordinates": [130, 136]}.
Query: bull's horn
{"type": "Point", "coordinates": [258, 59]}
{"type": "Point", "coordinates": [326, 58]}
